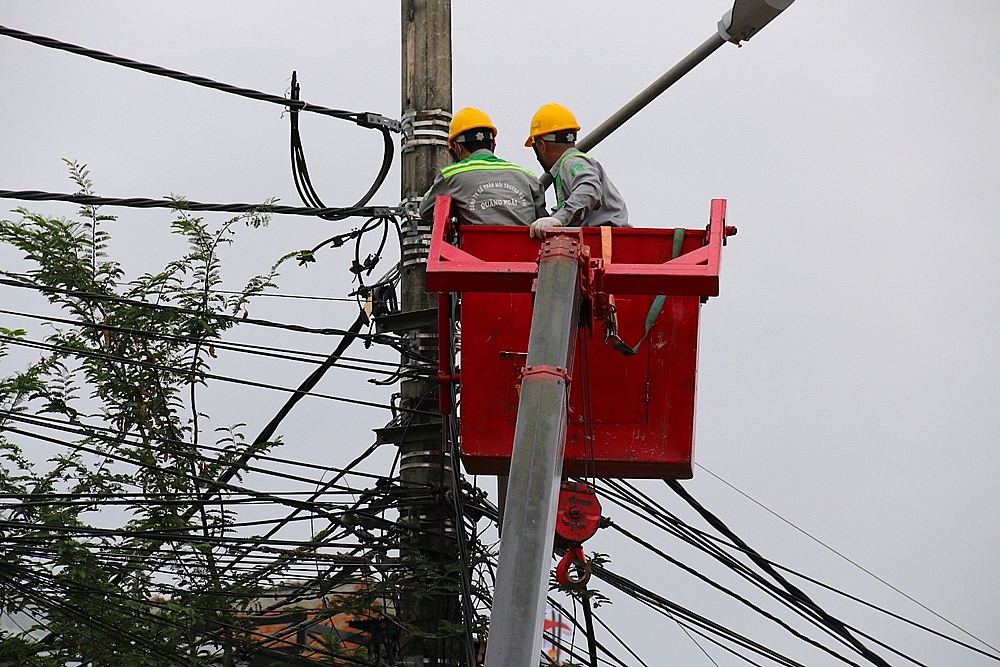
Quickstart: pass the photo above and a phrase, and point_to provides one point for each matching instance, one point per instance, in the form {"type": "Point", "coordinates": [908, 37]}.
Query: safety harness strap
{"type": "Point", "coordinates": [656, 306]}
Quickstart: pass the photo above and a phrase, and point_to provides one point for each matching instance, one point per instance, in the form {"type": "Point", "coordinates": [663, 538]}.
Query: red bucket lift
{"type": "Point", "coordinates": [640, 409]}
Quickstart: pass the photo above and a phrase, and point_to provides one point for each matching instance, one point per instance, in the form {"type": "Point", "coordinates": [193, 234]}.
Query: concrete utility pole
{"type": "Point", "coordinates": [426, 107]}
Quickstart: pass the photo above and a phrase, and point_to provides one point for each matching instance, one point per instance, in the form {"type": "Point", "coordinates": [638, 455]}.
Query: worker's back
{"type": "Point", "coordinates": [487, 190]}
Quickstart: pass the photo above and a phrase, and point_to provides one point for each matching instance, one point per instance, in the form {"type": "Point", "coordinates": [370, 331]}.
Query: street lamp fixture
{"type": "Point", "coordinates": [747, 17]}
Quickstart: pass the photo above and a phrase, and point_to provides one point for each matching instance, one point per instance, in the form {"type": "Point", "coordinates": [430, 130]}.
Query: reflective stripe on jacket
{"type": "Point", "coordinates": [486, 190]}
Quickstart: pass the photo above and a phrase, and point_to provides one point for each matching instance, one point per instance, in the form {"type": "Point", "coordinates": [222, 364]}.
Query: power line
{"type": "Point", "coordinates": [300, 172]}
{"type": "Point", "coordinates": [729, 592]}
{"type": "Point", "coordinates": [833, 623]}
{"type": "Point", "coordinates": [91, 429]}
{"type": "Point", "coordinates": [857, 565]}
{"type": "Point", "coordinates": [243, 348]}
{"type": "Point", "coordinates": [185, 205]}
{"type": "Point", "coordinates": [698, 540]}
{"type": "Point", "coordinates": [210, 483]}
{"type": "Point", "coordinates": [650, 513]}
{"type": "Point", "coordinates": [675, 612]}
{"type": "Point", "coordinates": [306, 297]}
{"type": "Point", "coordinates": [368, 120]}
{"type": "Point", "coordinates": [888, 613]}
{"type": "Point", "coordinates": [201, 374]}
{"type": "Point", "coordinates": [77, 429]}
{"type": "Point", "coordinates": [381, 339]}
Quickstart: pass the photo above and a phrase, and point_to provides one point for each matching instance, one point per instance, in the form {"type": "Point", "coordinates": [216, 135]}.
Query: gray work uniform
{"type": "Point", "coordinates": [486, 190]}
{"type": "Point", "coordinates": [585, 196]}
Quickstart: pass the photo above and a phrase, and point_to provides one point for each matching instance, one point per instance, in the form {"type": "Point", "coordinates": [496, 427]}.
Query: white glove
{"type": "Point", "coordinates": [538, 227]}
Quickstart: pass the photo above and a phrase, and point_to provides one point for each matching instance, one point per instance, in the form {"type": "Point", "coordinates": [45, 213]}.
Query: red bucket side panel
{"type": "Point", "coordinates": [642, 407]}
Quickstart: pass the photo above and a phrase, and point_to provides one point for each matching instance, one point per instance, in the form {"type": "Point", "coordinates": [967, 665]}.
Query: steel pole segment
{"type": "Point", "coordinates": [637, 103]}
{"type": "Point", "coordinates": [515, 636]}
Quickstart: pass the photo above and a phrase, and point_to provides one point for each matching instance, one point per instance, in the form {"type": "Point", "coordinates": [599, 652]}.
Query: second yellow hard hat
{"type": "Point", "coordinates": [551, 118]}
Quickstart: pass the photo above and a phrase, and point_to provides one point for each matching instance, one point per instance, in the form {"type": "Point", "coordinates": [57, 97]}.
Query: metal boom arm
{"type": "Point", "coordinates": [515, 638]}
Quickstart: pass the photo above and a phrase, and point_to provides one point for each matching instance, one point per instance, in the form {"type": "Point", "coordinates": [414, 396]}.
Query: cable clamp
{"type": "Point", "coordinates": [383, 211]}
{"type": "Point", "coordinates": [555, 372]}
{"type": "Point", "coordinates": [411, 205]}
{"type": "Point", "coordinates": [378, 122]}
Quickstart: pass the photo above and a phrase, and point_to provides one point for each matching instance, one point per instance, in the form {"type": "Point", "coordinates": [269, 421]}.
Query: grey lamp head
{"type": "Point", "coordinates": [747, 17]}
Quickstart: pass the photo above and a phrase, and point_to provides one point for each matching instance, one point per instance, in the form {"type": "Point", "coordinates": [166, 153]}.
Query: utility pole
{"type": "Point", "coordinates": [432, 550]}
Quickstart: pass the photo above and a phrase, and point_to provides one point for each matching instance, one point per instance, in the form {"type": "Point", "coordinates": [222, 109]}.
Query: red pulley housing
{"type": "Point", "coordinates": [578, 515]}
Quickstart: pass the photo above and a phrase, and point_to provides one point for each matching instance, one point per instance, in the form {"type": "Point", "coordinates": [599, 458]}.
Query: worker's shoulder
{"type": "Point", "coordinates": [483, 161]}
{"type": "Point", "coordinates": [575, 162]}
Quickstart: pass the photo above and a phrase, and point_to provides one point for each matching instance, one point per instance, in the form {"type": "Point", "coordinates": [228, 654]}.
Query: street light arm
{"type": "Point", "coordinates": [744, 20]}
{"type": "Point", "coordinates": [637, 103]}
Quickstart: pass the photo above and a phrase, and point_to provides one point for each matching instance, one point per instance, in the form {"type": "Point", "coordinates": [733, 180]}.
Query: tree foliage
{"type": "Point", "coordinates": [120, 549]}
{"type": "Point", "coordinates": [120, 386]}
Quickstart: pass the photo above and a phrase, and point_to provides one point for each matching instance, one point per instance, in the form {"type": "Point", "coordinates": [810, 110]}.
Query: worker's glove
{"type": "Point", "coordinates": [538, 227]}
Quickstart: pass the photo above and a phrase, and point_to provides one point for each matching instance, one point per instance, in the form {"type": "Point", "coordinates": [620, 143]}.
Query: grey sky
{"type": "Point", "coordinates": [849, 371]}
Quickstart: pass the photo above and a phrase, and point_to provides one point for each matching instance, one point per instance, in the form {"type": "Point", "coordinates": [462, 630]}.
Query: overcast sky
{"type": "Point", "coordinates": [849, 369]}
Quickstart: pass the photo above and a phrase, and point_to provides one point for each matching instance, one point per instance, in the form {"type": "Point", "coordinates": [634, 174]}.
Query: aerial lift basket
{"type": "Point", "coordinates": [640, 409]}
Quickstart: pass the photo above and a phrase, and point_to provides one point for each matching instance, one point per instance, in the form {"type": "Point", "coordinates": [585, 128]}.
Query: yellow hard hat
{"type": "Point", "coordinates": [551, 118]}
{"type": "Point", "coordinates": [469, 118]}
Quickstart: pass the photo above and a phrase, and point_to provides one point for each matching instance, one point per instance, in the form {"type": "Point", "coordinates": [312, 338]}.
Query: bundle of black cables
{"type": "Point", "coordinates": [300, 172]}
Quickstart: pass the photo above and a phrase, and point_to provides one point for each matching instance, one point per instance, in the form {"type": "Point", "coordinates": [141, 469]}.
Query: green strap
{"type": "Point", "coordinates": [678, 242]}
{"type": "Point", "coordinates": [656, 306]}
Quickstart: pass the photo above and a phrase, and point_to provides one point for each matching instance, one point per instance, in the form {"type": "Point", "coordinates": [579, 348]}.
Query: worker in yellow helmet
{"type": "Point", "coordinates": [585, 196]}
{"type": "Point", "coordinates": [485, 190]}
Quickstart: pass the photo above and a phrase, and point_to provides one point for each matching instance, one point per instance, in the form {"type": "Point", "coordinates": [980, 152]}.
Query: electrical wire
{"type": "Point", "coordinates": [694, 538]}
{"type": "Point", "coordinates": [572, 618]}
{"type": "Point", "coordinates": [13, 340]}
{"type": "Point", "coordinates": [210, 483]}
{"type": "Point", "coordinates": [675, 612]}
{"type": "Point", "coordinates": [796, 593]}
{"type": "Point", "coordinates": [727, 591]}
{"type": "Point", "coordinates": [76, 429]}
{"type": "Point", "coordinates": [649, 513]}
{"type": "Point", "coordinates": [300, 171]}
{"type": "Point", "coordinates": [305, 297]}
{"type": "Point", "coordinates": [115, 436]}
{"type": "Point", "coordinates": [367, 120]}
{"type": "Point", "coordinates": [379, 339]}
{"type": "Point", "coordinates": [185, 205]}
{"type": "Point", "coordinates": [243, 348]}
{"type": "Point", "coordinates": [863, 569]}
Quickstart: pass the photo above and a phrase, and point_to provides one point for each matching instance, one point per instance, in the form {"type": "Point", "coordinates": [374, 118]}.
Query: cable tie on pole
{"type": "Point", "coordinates": [424, 128]}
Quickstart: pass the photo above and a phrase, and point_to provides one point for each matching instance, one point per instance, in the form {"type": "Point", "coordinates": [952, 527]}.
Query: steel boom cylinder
{"type": "Point", "coordinates": [515, 636]}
